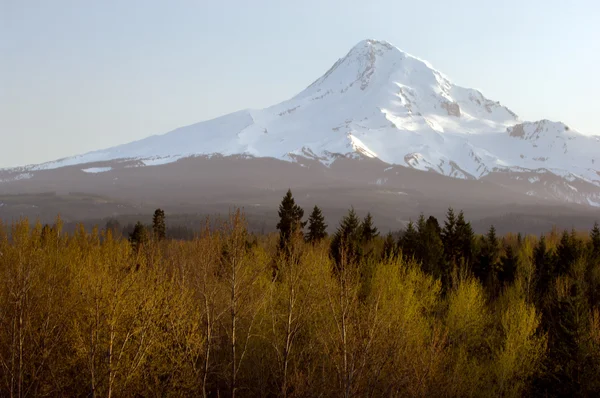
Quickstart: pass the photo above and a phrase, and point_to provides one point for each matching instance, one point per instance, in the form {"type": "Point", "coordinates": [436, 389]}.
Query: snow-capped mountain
{"type": "Point", "coordinates": [381, 102]}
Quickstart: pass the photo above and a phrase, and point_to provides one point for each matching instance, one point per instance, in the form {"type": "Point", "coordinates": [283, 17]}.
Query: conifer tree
{"type": "Point", "coordinates": [346, 241]}
{"type": "Point", "coordinates": [544, 268]}
{"type": "Point", "coordinates": [595, 241]}
{"type": "Point", "coordinates": [464, 239]}
{"type": "Point", "coordinates": [568, 328]}
{"type": "Point", "coordinates": [159, 227]}
{"type": "Point", "coordinates": [566, 253]}
{"type": "Point", "coordinates": [593, 267]}
{"type": "Point", "coordinates": [409, 242]}
{"type": "Point", "coordinates": [139, 236]}
{"type": "Point", "coordinates": [449, 238]}
{"type": "Point", "coordinates": [489, 265]}
{"type": "Point", "coordinates": [433, 223]}
{"type": "Point", "coordinates": [509, 265]}
{"type": "Point", "coordinates": [390, 248]}
{"type": "Point", "coordinates": [290, 219]}
{"type": "Point", "coordinates": [430, 249]}
{"type": "Point", "coordinates": [368, 230]}
{"type": "Point", "coordinates": [317, 229]}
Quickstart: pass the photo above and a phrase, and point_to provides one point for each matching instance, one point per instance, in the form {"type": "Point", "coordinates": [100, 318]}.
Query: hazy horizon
{"type": "Point", "coordinates": [78, 78]}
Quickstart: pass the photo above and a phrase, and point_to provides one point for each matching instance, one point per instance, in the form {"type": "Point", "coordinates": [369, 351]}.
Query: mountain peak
{"type": "Point", "coordinates": [381, 102]}
{"type": "Point", "coordinates": [372, 60]}
{"type": "Point", "coordinates": [372, 44]}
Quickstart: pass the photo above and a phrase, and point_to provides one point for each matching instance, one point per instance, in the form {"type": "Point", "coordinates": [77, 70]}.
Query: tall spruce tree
{"type": "Point", "coordinates": [290, 219]}
{"type": "Point", "coordinates": [544, 269]}
{"type": "Point", "coordinates": [489, 265]}
{"type": "Point", "coordinates": [317, 229]}
{"type": "Point", "coordinates": [567, 320]}
{"type": "Point", "coordinates": [346, 243]}
{"type": "Point", "coordinates": [593, 266]}
{"type": "Point", "coordinates": [368, 230]}
{"type": "Point", "coordinates": [390, 248]}
{"type": "Point", "coordinates": [430, 249]}
{"type": "Point", "coordinates": [139, 236]}
{"type": "Point", "coordinates": [409, 242]}
{"type": "Point", "coordinates": [464, 240]}
{"type": "Point", "coordinates": [566, 253]}
{"type": "Point", "coordinates": [159, 227]}
{"type": "Point", "coordinates": [509, 265]}
{"type": "Point", "coordinates": [595, 241]}
{"type": "Point", "coordinates": [449, 238]}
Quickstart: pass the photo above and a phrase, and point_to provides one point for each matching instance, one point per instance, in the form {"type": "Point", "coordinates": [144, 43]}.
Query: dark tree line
{"type": "Point", "coordinates": [566, 280]}
{"type": "Point", "coordinates": [433, 310]}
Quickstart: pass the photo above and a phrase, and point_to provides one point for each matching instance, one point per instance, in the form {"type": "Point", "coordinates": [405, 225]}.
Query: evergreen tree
{"type": "Point", "coordinates": [595, 242]}
{"type": "Point", "coordinates": [568, 329]}
{"type": "Point", "coordinates": [544, 268]}
{"type": "Point", "coordinates": [430, 247]}
{"type": "Point", "coordinates": [489, 266]}
{"type": "Point", "coordinates": [368, 230]}
{"type": "Point", "coordinates": [390, 248]}
{"type": "Point", "coordinates": [434, 225]}
{"type": "Point", "coordinates": [159, 227]}
{"type": "Point", "coordinates": [345, 246]}
{"type": "Point", "coordinates": [593, 266]}
{"type": "Point", "coordinates": [449, 238]}
{"type": "Point", "coordinates": [464, 239]}
{"type": "Point", "coordinates": [409, 242]}
{"type": "Point", "coordinates": [317, 229]}
{"type": "Point", "coordinates": [139, 236]}
{"type": "Point", "coordinates": [566, 253]}
{"type": "Point", "coordinates": [509, 265]}
{"type": "Point", "coordinates": [290, 219]}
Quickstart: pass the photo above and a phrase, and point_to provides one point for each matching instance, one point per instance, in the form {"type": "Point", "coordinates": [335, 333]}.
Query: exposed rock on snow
{"type": "Point", "coordinates": [382, 103]}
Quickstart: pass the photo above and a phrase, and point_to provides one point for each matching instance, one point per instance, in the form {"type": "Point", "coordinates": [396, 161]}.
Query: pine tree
{"type": "Point", "coordinates": [595, 242]}
{"type": "Point", "coordinates": [544, 268]}
{"type": "Point", "coordinates": [158, 225]}
{"type": "Point", "coordinates": [345, 245]}
{"type": "Point", "coordinates": [449, 238]}
{"type": "Point", "coordinates": [489, 266]}
{"type": "Point", "coordinates": [509, 265]}
{"type": "Point", "coordinates": [390, 248]}
{"type": "Point", "coordinates": [566, 253]}
{"type": "Point", "coordinates": [430, 248]}
{"type": "Point", "coordinates": [593, 266]}
{"type": "Point", "coordinates": [139, 236]}
{"type": "Point", "coordinates": [433, 223]}
{"type": "Point", "coordinates": [368, 230]}
{"type": "Point", "coordinates": [290, 219]}
{"type": "Point", "coordinates": [409, 242]}
{"type": "Point", "coordinates": [568, 324]}
{"type": "Point", "coordinates": [317, 229]}
{"type": "Point", "coordinates": [464, 239]}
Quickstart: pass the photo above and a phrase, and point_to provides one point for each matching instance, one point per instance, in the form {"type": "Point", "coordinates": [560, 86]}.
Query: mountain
{"type": "Point", "coordinates": [387, 110]}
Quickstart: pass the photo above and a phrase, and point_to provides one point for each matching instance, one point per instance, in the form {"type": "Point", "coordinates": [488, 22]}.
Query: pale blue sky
{"type": "Point", "coordinates": [82, 75]}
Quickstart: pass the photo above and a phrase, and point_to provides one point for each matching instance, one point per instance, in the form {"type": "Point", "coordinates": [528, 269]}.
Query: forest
{"type": "Point", "coordinates": [433, 310]}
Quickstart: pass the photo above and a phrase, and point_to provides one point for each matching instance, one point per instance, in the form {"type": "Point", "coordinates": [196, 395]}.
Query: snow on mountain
{"type": "Point", "coordinates": [384, 103]}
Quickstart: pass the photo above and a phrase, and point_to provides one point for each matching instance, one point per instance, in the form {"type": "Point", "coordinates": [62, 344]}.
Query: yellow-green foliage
{"type": "Point", "coordinates": [225, 314]}
{"type": "Point", "coordinates": [521, 348]}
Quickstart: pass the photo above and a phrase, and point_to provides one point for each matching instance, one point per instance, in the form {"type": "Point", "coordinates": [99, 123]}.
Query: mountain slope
{"type": "Point", "coordinates": [382, 103]}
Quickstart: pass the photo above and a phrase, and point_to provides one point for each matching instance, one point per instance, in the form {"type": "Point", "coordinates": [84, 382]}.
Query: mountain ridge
{"type": "Point", "coordinates": [380, 102]}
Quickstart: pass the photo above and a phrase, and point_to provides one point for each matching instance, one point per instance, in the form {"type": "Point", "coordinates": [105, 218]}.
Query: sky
{"type": "Point", "coordinates": [77, 76]}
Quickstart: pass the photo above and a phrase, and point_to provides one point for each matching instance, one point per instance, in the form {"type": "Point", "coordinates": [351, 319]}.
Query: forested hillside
{"type": "Point", "coordinates": [434, 310]}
